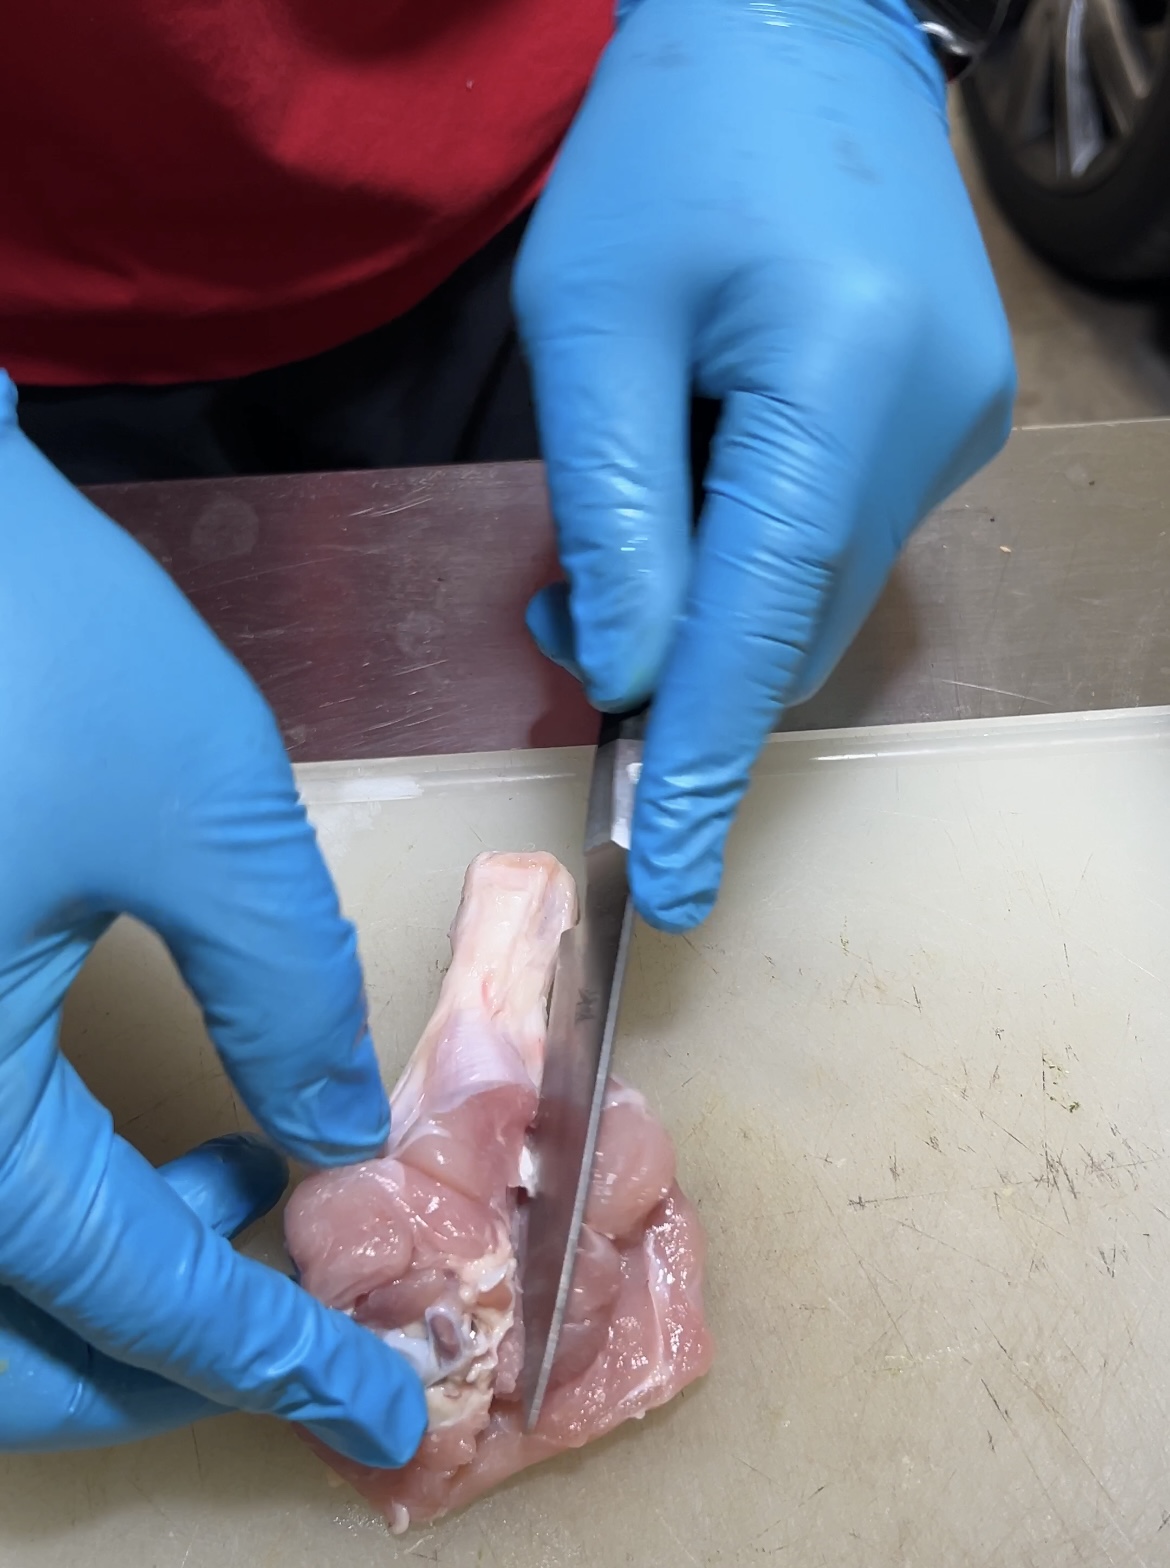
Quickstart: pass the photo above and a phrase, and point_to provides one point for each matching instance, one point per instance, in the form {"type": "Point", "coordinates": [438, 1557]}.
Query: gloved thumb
{"type": "Point", "coordinates": [229, 1182]}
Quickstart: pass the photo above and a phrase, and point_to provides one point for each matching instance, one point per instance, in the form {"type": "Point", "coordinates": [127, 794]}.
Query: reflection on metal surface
{"type": "Point", "coordinates": [1074, 618]}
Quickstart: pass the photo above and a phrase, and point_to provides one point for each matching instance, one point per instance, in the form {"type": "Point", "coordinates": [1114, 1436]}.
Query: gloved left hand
{"type": "Point", "coordinates": [143, 773]}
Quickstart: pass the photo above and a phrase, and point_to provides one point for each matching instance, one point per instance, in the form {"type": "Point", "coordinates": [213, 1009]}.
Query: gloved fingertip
{"type": "Point", "coordinates": [670, 905]}
{"type": "Point", "coordinates": [676, 856]}
{"type": "Point", "coordinates": [551, 627]}
{"type": "Point", "coordinates": [386, 1418]}
{"type": "Point", "coordinates": [338, 1117]}
{"type": "Point", "coordinates": [620, 657]}
{"type": "Point", "coordinates": [406, 1424]}
{"type": "Point", "coordinates": [670, 892]}
{"type": "Point", "coordinates": [614, 682]}
{"type": "Point", "coordinates": [229, 1182]}
{"type": "Point", "coordinates": [344, 1117]}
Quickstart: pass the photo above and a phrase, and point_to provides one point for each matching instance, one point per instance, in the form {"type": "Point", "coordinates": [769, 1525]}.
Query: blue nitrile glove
{"type": "Point", "coordinates": [143, 772]}
{"type": "Point", "coordinates": [758, 199]}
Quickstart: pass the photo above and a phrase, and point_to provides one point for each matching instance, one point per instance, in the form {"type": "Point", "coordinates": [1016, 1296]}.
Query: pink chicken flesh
{"type": "Point", "coordinates": [421, 1245]}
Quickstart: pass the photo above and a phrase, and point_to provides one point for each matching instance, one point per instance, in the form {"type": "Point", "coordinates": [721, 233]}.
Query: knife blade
{"type": "Point", "coordinates": [586, 993]}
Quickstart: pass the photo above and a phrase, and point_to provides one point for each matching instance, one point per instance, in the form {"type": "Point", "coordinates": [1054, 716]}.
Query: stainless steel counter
{"type": "Point", "coordinates": [382, 612]}
{"type": "Point", "coordinates": [1043, 586]}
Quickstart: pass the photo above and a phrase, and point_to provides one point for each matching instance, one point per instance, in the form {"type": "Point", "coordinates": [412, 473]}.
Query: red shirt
{"type": "Point", "coordinates": [202, 188]}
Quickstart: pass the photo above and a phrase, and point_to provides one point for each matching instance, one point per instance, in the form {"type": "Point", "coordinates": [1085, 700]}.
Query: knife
{"type": "Point", "coordinates": [586, 993]}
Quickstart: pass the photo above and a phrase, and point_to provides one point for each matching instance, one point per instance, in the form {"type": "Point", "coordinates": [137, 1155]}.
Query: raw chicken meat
{"type": "Point", "coordinates": [422, 1244]}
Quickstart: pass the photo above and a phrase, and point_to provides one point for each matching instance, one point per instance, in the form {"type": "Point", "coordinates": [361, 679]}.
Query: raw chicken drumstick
{"type": "Point", "coordinates": [422, 1244]}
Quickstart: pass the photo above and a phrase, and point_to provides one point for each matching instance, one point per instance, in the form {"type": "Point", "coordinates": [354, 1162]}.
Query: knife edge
{"type": "Point", "coordinates": [538, 1387]}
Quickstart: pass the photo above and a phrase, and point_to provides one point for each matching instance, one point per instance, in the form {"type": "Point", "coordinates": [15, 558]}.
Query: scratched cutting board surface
{"type": "Point", "coordinates": [917, 1068]}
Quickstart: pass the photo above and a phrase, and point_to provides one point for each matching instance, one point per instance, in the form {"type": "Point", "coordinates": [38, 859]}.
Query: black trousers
{"type": "Point", "coordinates": [445, 383]}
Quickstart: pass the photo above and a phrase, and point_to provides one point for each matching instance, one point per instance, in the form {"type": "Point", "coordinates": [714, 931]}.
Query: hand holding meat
{"type": "Point", "coordinates": [144, 774]}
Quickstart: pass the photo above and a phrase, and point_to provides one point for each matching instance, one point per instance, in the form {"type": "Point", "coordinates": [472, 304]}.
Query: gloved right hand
{"type": "Point", "coordinates": [757, 202]}
{"type": "Point", "coordinates": [143, 773]}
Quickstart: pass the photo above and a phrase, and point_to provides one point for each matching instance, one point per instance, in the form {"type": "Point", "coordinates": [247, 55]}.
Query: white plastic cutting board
{"type": "Point", "coordinates": [918, 1069]}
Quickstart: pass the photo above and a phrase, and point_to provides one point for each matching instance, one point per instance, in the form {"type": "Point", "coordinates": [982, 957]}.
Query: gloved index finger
{"type": "Point", "coordinates": [253, 920]}
{"type": "Point", "coordinates": [160, 787]}
{"type": "Point", "coordinates": [776, 527]}
{"type": "Point", "coordinates": [612, 394]}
